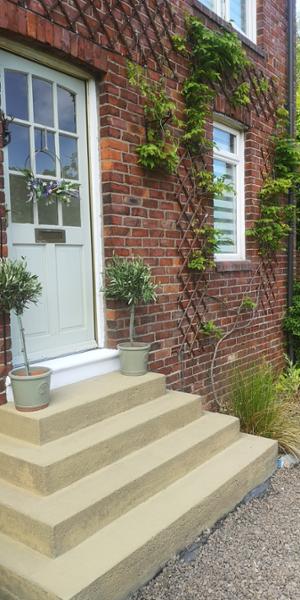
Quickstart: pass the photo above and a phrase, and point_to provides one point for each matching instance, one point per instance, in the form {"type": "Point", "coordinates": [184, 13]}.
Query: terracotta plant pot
{"type": "Point", "coordinates": [31, 392]}
{"type": "Point", "coordinates": [134, 358]}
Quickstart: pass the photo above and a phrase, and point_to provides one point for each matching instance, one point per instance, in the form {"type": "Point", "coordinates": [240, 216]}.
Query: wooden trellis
{"type": "Point", "coordinates": [194, 208]}
{"type": "Point", "coordinates": [141, 30]}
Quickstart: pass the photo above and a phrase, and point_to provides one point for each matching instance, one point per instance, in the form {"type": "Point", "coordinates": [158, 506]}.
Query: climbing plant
{"type": "Point", "coordinates": [274, 223]}
{"type": "Point", "coordinates": [210, 240]}
{"type": "Point", "coordinates": [214, 57]}
{"type": "Point", "coordinates": [217, 64]}
{"type": "Point", "coordinates": [160, 150]}
{"type": "Point", "coordinates": [291, 321]}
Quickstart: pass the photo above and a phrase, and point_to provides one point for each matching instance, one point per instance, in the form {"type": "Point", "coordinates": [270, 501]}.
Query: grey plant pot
{"type": "Point", "coordinates": [31, 392]}
{"type": "Point", "coordinates": [134, 358]}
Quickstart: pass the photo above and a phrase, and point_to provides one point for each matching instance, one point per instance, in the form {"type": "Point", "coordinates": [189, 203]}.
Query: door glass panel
{"type": "Point", "coordinates": [21, 209]}
{"type": "Point", "coordinates": [48, 213]}
{"type": "Point", "coordinates": [66, 102]}
{"type": "Point", "coordinates": [45, 161]}
{"type": "Point", "coordinates": [16, 94]}
{"type": "Point", "coordinates": [18, 149]}
{"type": "Point", "coordinates": [71, 213]}
{"type": "Point", "coordinates": [42, 101]}
{"type": "Point", "coordinates": [68, 157]}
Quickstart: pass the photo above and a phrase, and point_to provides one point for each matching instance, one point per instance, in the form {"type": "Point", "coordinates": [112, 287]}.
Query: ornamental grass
{"type": "Point", "coordinates": [268, 404]}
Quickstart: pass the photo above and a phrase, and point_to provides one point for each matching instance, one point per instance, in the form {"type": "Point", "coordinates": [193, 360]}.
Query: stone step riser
{"type": "Point", "coordinates": [48, 425]}
{"type": "Point", "coordinates": [159, 528]}
{"type": "Point", "coordinates": [70, 532]}
{"type": "Point", "coordinates": [47, 479]}
{"type": "Point", "coordinates": [141, 566]}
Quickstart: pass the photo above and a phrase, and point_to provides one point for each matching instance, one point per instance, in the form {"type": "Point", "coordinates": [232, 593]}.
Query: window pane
{"type": "Point", "coordinates": [16, 94]}
{"type": "Point", "coordinates": [71, 212]}
{"type": "Point", "coordinates": [224, 140]}
{"type": "Point", "coordinates": [68, 157]}
{"type": "Point", "coordinates": [45, 162]}
{"type": "Point", "coordinates": [48, 213]}
{"type": "Point", "coordinates": [208, 3]}
{"type": "Point", "coordinates": [238, 13]}
{"type": "Point", "coordinates": [42, 101]}
{"type": "Point", "coordinates": [66, 109]}
{"type": "Point", "coordinates": [18, 149]}
{"type": "Point", "coordinates": [225, 208]}
{"type": "Point", "coordinates": [21, 209]}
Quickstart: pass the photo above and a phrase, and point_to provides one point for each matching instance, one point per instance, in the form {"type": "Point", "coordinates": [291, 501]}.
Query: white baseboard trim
{"type": "Point", "coordinates": [77, 367]}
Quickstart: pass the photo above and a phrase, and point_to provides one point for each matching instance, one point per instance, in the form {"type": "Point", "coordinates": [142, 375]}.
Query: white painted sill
{"type": "Point", "coordinates": [77, 367]}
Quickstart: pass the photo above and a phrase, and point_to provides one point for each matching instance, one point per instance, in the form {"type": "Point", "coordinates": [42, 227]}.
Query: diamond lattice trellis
{"type": "Point", "coordinates": [195, 208]}
{"type": "Point", "coordinates": [142, 31]}
{"type": "Point", "coordinates": [138, 29]}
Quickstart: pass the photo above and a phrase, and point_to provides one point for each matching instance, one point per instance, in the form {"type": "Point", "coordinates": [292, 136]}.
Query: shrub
{"type": "Point", "coordinates": [129, 280]}
{"type": "Point", "coordinates": [266, 406]}
{"type": "Point", "coordinates": [18, 289]}
{"type": "Point", "coordinates": [291, 322]}
{"type": "Point", "coordinates": [288, 384]}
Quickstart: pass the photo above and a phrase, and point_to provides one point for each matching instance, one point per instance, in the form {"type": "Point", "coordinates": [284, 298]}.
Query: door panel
{"type": "Point", "coordinates": [49, 137]}
{"type": "Point", "coordinates": [70, 297]}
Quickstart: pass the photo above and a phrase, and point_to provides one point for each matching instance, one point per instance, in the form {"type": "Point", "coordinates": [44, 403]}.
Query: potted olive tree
{"type": "Point", "coordinates": [19, 288]}
{"type": "Point", "coordinates": [129, 280]}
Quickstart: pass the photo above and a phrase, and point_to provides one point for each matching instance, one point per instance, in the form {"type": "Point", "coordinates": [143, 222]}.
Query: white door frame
{"type": "Point", "coordinates": [93, 125]}
{"type": "Point", "coordinates": [96, 209]}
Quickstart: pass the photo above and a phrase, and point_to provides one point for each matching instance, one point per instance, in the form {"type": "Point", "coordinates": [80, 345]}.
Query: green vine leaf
{"type": "Point", "coordinates": [210, 329]}
{"type": "Point", "coordinates": [160, 150]}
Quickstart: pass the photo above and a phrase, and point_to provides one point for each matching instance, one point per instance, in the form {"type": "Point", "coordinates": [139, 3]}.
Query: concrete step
{"type": "Point", "coordinates": [80, 405]}
{"type": "Point", "coordinates": [68, 459]}
{"type": "Point", "coordinates": [126, 553]}
{"type": "Point", "coordinates": [54, 524]}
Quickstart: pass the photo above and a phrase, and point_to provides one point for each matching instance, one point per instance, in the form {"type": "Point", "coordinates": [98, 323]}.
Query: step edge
{"type": "Point", "coordinates": [39, 575]}
{"type": "Point", "coordinates": [230, 427]}
{"type": "Point", "coordinates": [17, 447]}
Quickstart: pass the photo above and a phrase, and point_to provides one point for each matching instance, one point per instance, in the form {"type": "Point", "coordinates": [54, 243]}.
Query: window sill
{"type": "Point", "coordinates": [234, 266]}
{"type": "Point", "coordinates": [199, 7]}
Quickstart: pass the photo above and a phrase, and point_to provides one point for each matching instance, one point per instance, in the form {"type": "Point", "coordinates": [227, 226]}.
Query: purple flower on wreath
{"type": "Point", "coordinates": [50, 191]}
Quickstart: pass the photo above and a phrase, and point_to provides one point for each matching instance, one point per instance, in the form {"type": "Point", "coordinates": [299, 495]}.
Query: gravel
{"type": "Point", "coordinates": [252, 554]}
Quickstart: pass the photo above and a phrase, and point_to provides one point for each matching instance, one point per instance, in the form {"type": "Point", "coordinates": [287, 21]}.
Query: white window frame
{"type": "Point", "coordinates": [222, 8]}
{"type": "Point", "coordinates": [237, 159]}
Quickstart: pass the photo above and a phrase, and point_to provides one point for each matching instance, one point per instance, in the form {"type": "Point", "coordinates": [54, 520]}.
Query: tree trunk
{"type": "Point", "coordinates": [26, 361]}
{"type": "Point", "coordinates": [131, 323]}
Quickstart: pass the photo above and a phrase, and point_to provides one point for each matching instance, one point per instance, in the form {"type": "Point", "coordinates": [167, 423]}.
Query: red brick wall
{"type": "Point", "coordinates": [141, 210]}
{"type": "Point", "coordinates": [5, 355]}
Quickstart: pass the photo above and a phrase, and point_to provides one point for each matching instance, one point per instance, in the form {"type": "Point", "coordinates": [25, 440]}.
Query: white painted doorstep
{"type": "Point", "coordinates": [77, 367]}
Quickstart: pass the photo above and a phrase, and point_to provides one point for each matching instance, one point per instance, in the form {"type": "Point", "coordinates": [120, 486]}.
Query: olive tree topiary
{"type": "Point", "coordinates": [129, 280]}
{"type": "Point", "coordinates": [18, 289]}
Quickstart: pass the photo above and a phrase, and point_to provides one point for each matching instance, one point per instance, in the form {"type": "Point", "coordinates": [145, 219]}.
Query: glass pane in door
{"type": "Point", "coordinates": [71, 213]}
{"type": "Point", "coordinates": [42, 91]}
{"type": "Point", "coordinates": [16, 94]}
{"type": "Point", "coordinates": [21, 209]}
{"type": "Point", "coordinates": [19, 148]}
{"type": "Point", "coordinates": [66, 105]}
{"type": "Point", "coordinates": [45, 157]}
{"type": "Point", "coordinates": [68, 157]}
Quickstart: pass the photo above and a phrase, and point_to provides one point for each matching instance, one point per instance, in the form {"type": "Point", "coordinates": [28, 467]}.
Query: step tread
{"type": "Point", "coordinates": [76, 497]}
{"type": "Point", "coordinates": [82, 392]}
{"type": "Point", "coordinates": [65, 576]}
{"type": "Point", "coordinates": [61, 448]}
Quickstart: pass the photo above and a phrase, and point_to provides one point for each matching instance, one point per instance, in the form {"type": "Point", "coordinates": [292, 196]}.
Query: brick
{"type": "Point", "coordinates": [140, 211]}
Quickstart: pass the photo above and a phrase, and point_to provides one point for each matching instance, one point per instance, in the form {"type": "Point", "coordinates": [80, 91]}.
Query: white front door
{"type": "Point", "coordinates": [49, 137]}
